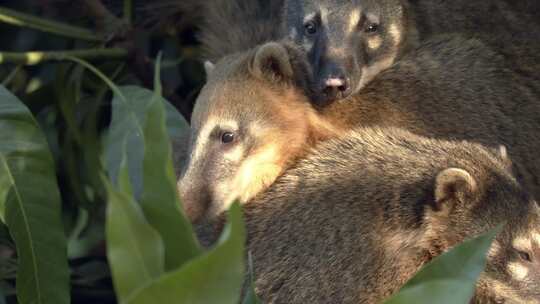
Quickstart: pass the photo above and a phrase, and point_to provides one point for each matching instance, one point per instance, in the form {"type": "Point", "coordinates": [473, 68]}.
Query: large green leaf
{"type": "Point", "coordinates": [451, 277]}
{"type": "Point", "coordinates": [30, 205]}
{"type": "Point", "coordinates": [129, 107]}
{"type": "Point", "coordinates": [160, 200]}
{"type": "Point", "coordinates": [213, 278]}
{"type": "Point", "coordinates": [134, 249]}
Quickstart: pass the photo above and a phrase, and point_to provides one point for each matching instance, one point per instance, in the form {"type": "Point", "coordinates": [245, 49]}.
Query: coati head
{"type": "Point", "coordinates": [348, 42]}
{"type": "Point", "coordinates": [250, 121]}
{"type": "Point", "coordinates": [468, 203]}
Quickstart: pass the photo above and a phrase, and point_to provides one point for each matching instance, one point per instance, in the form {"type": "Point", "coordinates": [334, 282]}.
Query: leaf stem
{"type": "Point", "coordinates": [25, 20]}
{"type": "Point", "coordinates": [37, 57]}
{"type": "Point", "coordinates": [128, 11]}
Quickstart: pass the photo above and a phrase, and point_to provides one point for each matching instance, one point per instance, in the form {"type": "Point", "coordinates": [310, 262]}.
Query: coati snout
{"type": "Point", "coordinates": [347, 43]}
{"type": "Point", "coordinates": [249, 122]}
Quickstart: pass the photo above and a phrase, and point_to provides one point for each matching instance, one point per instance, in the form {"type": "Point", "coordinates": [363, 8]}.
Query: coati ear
{"type": "Point", "coordinates": [453, 184]}
{"type": "Point", "coordinates": [208, 67]}
{"type": "Point", "coordinates": [272, 62]}
{"type": "Point", "coordinates": [503, 154]}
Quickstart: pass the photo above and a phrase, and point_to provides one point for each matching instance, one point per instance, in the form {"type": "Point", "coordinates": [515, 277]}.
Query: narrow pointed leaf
{"type": "Point", "coordinates": [451, 277]}
{"type": "Point", "coordinates": [134, 248]}
{"type": "Point", "coordinates": [160, 200]}
{"type": "Point", "coordinates": [129, 107]}
{"type": "Point", "coordinates": [251, 296]}
{"type": "Point", "coordinates": [30, 206]}
{"type": "Point", "coordinates": [213, 278]}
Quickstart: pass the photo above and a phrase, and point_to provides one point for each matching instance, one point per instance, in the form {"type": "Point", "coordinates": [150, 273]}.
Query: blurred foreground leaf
{"type": "Point", "coordinates": [30, 205]}
{"type": "Point", "coordinates": [214, 277]}
{"type": "Point", "coordinates": [160, 200]}
{"type": "Point", "coordinates": [134, 248]}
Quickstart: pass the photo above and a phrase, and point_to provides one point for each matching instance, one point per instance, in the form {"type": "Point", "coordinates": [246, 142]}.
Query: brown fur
{"type": "Point", "coordinates": [231, 26]}
{"type": "Point", "coordinates": [451, 88]}
{"type": "Point", "coordinates": [356, 218]}
{"type": "Point", "coordinates": [274, 122]}
{"type": "Point", "coordinates": [456, 88]}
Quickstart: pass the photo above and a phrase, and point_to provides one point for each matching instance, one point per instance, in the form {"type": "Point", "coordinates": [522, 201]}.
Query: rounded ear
{"type": "Point", "coordinates": [208, 67]}
{"type": "Point", "coordinates": [272, 61]}
{"type": "Point", "coordinates": [503, 154]}
{"type": "Point", "coordinates": [453, 184]}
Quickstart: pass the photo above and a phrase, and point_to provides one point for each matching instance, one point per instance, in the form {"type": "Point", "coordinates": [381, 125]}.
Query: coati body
{"type": "Point", "coordinates": [360, 214]}
{"type": "Point", "coordinates": [456, 89]}
{"type": "Point", "coordinates": [348, 43]}
{"type": "Point", "coordinates": [451, 88]}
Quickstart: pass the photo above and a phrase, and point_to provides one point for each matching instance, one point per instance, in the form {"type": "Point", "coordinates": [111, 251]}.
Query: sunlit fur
{"type": "Point", "coordinates": [357, 216]}
{"type": "Point", "coordinates": [274, 121]}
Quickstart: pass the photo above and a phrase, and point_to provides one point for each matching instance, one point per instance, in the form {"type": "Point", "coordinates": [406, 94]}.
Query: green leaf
{"type": "Point", "coordinates": [451, 277]}
{"type": "Point", "coordinates": [134, 249]}
{"type": "Point", "coordinates": [215, 277]}
{"type": "Point", "coordinates": [130, 105]}
{"type": "Point", "coordinates": [159, 199]}
{"type": "Point", "coordinates": [30, 205]}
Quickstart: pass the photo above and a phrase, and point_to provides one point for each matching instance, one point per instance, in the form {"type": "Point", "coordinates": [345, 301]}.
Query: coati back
{"type": "Point", "coordinates": [359, 215]}
{"type": "Point", "coordinates": [252, 121]}
{"type": "Point", "coordinates": [456, 88]}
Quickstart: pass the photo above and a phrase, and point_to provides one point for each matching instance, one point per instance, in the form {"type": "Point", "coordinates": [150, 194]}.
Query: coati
{"type": "Point", "coordinates": [360, 214]}
{"type": "Point", "coordinates": [348, 43]}
{"type": "Point", "coordinates": [252, 120]}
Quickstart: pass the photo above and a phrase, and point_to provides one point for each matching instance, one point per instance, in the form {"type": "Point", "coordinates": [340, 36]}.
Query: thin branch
{"type": "Point", "coordinates": [106, 22]}
{"type": "Point", "coordinates": [33, 58]}
{"type": "Point", "coordinates": [25, 20]}
{"type": "Point", "coordinates": [11, 75]}
{"type": "Point", "coordinates": [128, 11]}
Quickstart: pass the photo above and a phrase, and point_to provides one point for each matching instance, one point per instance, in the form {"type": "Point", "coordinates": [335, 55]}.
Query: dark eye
{"type": "Point", "coordinates": [310, 28]}
{"type": "Point", "coordinates": [372, 28]}
{"type": "Point", "coordinates": [227, 137]}
{"type": "Point", "coordinates": [525, 256]}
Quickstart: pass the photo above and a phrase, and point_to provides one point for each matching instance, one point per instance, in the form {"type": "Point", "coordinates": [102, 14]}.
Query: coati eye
{"type": "Point", "coordinates": [227, 137]}
{"type": "Point", "coordinates": [525, 256]}
{"type": "Point", "coordinates": [310, 28]}
{"type": "Point", "coordinates": [372, 28]}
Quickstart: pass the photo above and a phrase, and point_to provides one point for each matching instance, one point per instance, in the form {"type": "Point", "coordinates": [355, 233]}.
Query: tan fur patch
{"type": "Point", "coordinates": [518, 271]}
{"type": "Point", "coordinates": [374, 43]}
{"type": "Point", "coordinates": [396, 33]}
{"type": "Point", "coordinates": [354, 19]}
{"type": "Point", "coordinates": [522, 243]}
{"type": "Point", "coordinates": [370, 71]}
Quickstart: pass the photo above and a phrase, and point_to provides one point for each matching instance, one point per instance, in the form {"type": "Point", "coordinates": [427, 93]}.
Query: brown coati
{"type": "Point", "coordinates": [359, 215]}
{"type": "Point", "coordinates": [348, 43]}
{"type": "Point", "coordinates": [252, 120]}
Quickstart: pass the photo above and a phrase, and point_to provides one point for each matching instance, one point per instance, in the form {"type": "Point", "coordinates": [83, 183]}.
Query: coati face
{"type": "Point", "coordinates": [468, 204]}
{"type": "Point", "coordinates": [249, 121]}
{"type": "Point", "coordinates": [513, 270]}
{"type": "Point", "coordinates": [347, 42]}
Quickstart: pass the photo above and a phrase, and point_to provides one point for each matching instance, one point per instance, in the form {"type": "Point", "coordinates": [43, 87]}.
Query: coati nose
{"type": "Point", "coordinates": [336, 87]}
{"type": "Point", "coordinates": [195, 202]}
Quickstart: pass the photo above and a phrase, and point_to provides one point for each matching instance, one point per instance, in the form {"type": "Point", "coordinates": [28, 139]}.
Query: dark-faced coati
{"type": "Point", "coordinates": [252, 120]}
{"type": "Point", "coordinates": [347, 43]}
{"type": "Point", "coordinates": [359, 215]}
{"type": "Point", "coordinates": [352, 41]}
